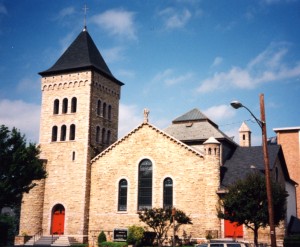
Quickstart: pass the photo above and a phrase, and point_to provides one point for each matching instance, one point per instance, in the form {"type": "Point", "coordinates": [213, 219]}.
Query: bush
{"type": "Point", "coordinates": [135, 235]}
{"type": "Point", "coordinates": [101, 238]}
{"type": "Point", "coordinates": [112, 244]}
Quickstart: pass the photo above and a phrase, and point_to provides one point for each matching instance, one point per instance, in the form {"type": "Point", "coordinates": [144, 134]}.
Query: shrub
{"type": "Point", "coordinates": [101, 238]}
{"type": "Point", "coordinates": [112, 244]}
{"type": "Point", "coordinates": [135, 235]}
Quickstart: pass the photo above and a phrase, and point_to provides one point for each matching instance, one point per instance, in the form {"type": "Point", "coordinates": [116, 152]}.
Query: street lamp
{"type": "Point", "coordinates": [262, 125]}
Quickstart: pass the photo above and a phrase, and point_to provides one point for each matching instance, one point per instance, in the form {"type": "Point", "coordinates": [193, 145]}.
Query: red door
{"type": "Point", "coordinates": [232, 230]}
{"type": "Point", "coordinates": [58, 220]}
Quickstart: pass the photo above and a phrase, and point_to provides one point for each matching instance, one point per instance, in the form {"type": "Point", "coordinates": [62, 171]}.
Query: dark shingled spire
{"type": "Point", "coordinates": [82, 54]}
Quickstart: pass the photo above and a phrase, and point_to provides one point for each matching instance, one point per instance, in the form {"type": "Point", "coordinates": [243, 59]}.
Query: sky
{"type": "Point", "coordinates": [172, 55]}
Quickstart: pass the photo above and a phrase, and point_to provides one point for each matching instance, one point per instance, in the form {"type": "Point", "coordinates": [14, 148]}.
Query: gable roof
{"type": "Point", "coordinates": [111, 147]}
{"type": "Point", "coordinates": [82, 54]}
{"type": "Point", "coordinates": [195, 126]}
{"type": "Point", "coordinates": [245, 159]}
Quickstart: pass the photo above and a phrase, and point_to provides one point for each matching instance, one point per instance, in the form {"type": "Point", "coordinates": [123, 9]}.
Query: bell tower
{"type": "Point", "coordinates": [79, 119]}
{"type": "Point", "coordinates": [245, 135]}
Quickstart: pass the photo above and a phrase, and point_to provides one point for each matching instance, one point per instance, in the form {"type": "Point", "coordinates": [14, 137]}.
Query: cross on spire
{"type": "Point", "coordinates": [85, 10]}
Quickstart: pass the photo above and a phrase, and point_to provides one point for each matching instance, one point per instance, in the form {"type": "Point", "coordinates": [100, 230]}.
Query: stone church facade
{"type": "Point", "coordinates": [98, 183]}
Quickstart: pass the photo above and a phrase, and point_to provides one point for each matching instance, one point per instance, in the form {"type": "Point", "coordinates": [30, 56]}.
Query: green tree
{"type": "Point", "coordinates": [246, 203]}
{"type": "Point", "coordinates": [19, 167]}
{"type": "Point", "coordinates": [160, 221]}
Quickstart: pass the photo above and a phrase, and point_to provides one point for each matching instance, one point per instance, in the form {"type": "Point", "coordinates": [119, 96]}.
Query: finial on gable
{"type": "Point", "coordinates": [146, 114]}
{"type": "Point", "coordinates": [84, 21]}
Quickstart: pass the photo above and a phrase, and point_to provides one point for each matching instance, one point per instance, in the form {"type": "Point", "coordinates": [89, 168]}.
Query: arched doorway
{"type": "Point", "coordinates": [58, 220]}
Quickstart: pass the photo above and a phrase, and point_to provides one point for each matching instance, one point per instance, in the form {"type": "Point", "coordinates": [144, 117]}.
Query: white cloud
{"type": "Point", "coordinates": [175, 19]}
{"type": "Point", "coordinates": [117, 23]}
{"type": "Point", "coordinates": [220, 112]}
{"type": "Point", "coordinates": [268, 66]}
{"type": "Point", "coordinates": [27, 84]}
{"type": "Point", "coordinates": [24, 116]}
{"type": "Point", "coordinates": [114, 54]}
{"type": "Point", "coordinates": [126, 73]}
{"type": "Point", "coordinates": [129, 118]}
{"type": "Point", "coordinates": [169, 78]}
{"type": "Point", "coordinates": [217, 61]}
{"type": "Point", "coordinates": [3, 9]}
{"type": "Point", "coordinates": [179, 79]}
{"type": "Point", "coordinates": [278, 1]}
{"type": "Point", "coordinates": [65, 12]}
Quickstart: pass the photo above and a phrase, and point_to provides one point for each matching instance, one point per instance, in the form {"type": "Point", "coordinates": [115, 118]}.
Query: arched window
{"type": "Point", "coordinates": [108, 137]}
{"type": "Point", "coordinates": [103, 136]}
{"type": "Point", "coordinates": [122, 203]}
{"type": "Point", "coordinates": [99, 107]}
{"type": "Point", "coordinates": [109, 112]}
{"type": "Point", "coordinates": [98, 134]}
{"type": "Point", "coordinates": [65, 105]}
{"type": "Point", "coordinates": [54, 134]}
{"type": "Point", "coordinates": [145, 185]}
{"type": "Point", "coordinates": [104, 110]}
{"type": "Point", "coordinates": [74, 105]}
{"type": "Point", "coordinates": [63, 133]}
{"type": "Point", "coordinates": [72, 132]}
{"type": "Point", "coordinates": [56, 106]}
{"type": "Point", "coordinates": [168, 193]}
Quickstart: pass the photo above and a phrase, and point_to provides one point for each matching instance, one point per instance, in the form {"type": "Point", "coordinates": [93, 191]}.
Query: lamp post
{"type": "Point", "coordinates": [262, 125]}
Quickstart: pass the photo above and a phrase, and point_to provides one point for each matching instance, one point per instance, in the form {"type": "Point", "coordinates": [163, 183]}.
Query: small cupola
{"type": "Point", "coordinates": [245, 135]}
{"type": "Point", "coordinates": [212, 147]}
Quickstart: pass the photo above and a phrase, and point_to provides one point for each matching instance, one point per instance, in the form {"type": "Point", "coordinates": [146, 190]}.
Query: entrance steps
{"type": "Point", "coordinates": [42, 241]}
{"type": "Point", "coordinates": [57, 241]}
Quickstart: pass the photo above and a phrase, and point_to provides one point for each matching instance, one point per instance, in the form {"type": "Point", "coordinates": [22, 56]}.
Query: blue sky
{"type": "Point", "coordinates": [173, 56]}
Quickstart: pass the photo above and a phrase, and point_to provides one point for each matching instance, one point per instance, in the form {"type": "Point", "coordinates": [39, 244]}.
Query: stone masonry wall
{"type": "Point", "coordinates": [195, 182]}
{"type": "Point", "coordinates": [67, 161]}
{"type": "Point", "coordinates": [32, 210]}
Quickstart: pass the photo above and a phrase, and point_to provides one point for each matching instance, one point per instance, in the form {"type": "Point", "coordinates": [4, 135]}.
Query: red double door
{"type": "Point", "coordinates": [232, 230]}
{"type": "Point", "coordinates": [58, 220]}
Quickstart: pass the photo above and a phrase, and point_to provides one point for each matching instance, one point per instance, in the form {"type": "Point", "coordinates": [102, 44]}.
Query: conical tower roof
{"type": "Point", "coordinates": [82, 54]}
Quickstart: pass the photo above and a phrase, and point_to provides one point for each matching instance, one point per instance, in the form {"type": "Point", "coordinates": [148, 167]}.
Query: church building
{"type": "Point", "coordinates": [97, 182]}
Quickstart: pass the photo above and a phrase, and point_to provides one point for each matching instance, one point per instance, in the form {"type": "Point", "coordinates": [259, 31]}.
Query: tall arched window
{"type": "Point", "coordinates": [99, 107]}
{"type": "Point", "coordinates": [54, 134]}
{"type": "Point", "coordinates": [122, 200]}
{"type": "Point", "coordinates": [74, 105]}
{"type": "Point", "coordinates": [108, 137]}
{"type": "Point", "coordinates": [109, 112]}
{"type": "Point", "coordinates": [104, 110]}
{"type": "Point", "coordinates": [145, 184]}
{"type": "Point", "coordinates": [168, 193]}
{"type": "Point", "coordinates": [72, 132]}
{"type": "Point", "coordinates": [103, 136]}
{"type": "Point", "coordinates": [63, 133]}
{"type": "Point", "coordinates": [65, 105]}
{"type": "Point", "coordinates": [98, 134]}
{"type": "Point", "coordinates": [56, 106]}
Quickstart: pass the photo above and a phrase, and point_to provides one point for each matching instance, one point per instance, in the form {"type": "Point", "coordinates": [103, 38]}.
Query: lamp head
{"type": "Point", "coordinates": [236, 104]}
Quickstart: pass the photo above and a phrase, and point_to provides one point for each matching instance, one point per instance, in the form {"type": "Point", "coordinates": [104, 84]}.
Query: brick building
{"type": "Point", "coordinates": [289, 139]}
{"type": "Point", "coordinates": [98, 183]}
